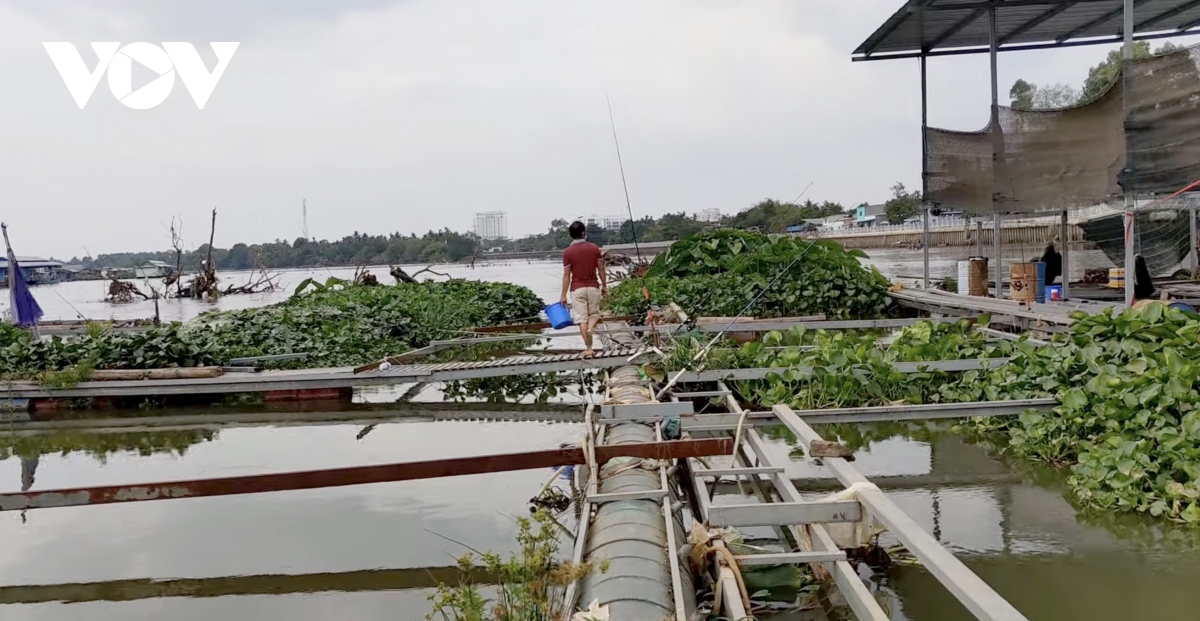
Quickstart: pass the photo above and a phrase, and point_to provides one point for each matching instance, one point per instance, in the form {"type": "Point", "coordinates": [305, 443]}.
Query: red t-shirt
{"type": "Point", "coordinates": [583, 259]}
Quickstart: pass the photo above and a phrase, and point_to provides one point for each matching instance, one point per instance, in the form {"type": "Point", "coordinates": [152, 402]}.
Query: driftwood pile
{"type": "Point", "coordinates": [204, 284]}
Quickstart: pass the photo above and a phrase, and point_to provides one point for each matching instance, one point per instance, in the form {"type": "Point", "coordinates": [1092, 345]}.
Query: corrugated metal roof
{"type": "Point", "coordinates": [30, 262]}
{"type": "Point", "coordinates": [963, 24]}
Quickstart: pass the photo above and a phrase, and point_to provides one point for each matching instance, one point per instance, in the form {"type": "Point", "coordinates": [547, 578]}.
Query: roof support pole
{"type": "Point", "coordinates": [1130, 197]}
{"type": "Point", "coordinates": [997, 147]}
{"type": "Point", "coordinates": [1065, 239]}
{"type": "Point", "coordinates": [1194, 257]}
{"type": "Point", "coordinates": [924, 145]}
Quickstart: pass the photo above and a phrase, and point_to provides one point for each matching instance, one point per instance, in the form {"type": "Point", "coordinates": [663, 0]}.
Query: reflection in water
{"type": "Point", "coordinates": [1011, 524]}
{"type": "Point", "coordinates": [303, 555]}
{"type": "Point", "coordinates": [99, 445]}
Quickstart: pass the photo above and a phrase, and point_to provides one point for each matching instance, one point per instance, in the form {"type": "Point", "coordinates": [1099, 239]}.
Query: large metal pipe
{"type": "Point", "coordinates": [631, 534]}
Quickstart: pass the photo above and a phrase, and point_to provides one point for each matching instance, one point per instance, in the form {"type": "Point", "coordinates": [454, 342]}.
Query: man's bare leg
{"type": "Point", "coordinates": [587, 340]}
{"type": "Point", "coordinates": [585, 329]}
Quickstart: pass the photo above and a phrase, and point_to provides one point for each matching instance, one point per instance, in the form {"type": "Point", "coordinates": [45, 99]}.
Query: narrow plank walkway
{"type": "Point", "coordinates": [327, 378]}
{"type": "Point", "coordinates": [1009, 311]}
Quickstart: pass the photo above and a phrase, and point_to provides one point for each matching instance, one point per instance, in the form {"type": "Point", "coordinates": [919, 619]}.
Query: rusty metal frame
{"type": "Point", "coordinates": [359, 475]}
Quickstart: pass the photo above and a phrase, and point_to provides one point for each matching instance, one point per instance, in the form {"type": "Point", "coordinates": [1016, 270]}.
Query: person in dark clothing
{"type": "Point", "coordinates": [1143, 286]}
{"type": "Point", "coordinates": [1053, 262]}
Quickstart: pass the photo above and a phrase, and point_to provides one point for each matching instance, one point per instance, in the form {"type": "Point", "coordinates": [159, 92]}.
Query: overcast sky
{"type": "Point", "coordinates": [407, 115]}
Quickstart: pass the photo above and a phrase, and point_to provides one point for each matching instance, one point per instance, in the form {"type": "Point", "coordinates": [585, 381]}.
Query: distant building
{"type": "Point", "coordinates": [612, 223]}
{"type": "Point", "coordinates": [870, 215]}
{"type": "Point", "coordinates": [491, 225]}
{"type": "Point", "coordinates": [35, 269]}
{"type": "Point", "coordinates": [153, 269]}
{"type": "Point", "coordinates": [709, 215]}
{"type": "Point", "coordinates": [836, 221]}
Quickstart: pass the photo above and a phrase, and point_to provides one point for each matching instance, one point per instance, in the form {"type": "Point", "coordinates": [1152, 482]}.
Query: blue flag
{"type": "Point", "coordinates": [25, 309]}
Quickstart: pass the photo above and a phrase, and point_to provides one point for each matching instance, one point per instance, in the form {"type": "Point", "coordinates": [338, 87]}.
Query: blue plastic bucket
{"type": "Point", "coordinates": [1054, 293]}
{"type": "Point", "coordinates": [558, 315]}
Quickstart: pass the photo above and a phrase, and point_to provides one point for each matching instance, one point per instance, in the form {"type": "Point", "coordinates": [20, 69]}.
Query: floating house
{"type": "Point", "coordinates": [36, 270]}
{"type": "Point", "coordinates": [153, 269]}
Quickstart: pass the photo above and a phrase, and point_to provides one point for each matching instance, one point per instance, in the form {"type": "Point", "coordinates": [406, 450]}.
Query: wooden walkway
{"type": "Point", "coordinates": [1051, 317]}
{"type": "Point", "coordinates": [329, 378]}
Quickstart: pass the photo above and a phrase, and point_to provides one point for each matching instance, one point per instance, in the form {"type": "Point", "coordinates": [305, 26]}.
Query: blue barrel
{"type": "Point", "coordinates": [1040, 294]}
{"type": "Point", "coordinates": [558, 315]}
{"type": "Point", "coordinates": [1183, 307]}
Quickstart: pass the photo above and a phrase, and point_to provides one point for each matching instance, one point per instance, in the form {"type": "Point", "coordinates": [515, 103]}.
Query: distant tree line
{"type": "Point", "coordinates": [767, 216]}
{"type": "Point", "coordinates": [1027, 96]}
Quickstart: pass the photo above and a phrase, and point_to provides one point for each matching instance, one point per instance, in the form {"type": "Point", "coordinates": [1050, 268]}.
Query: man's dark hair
{"type": "Point", "coordinates": [577, 229]}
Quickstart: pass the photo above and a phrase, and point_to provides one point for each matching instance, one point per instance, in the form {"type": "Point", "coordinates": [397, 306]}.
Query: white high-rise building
{"type": "Point", "coordinates": [611, 223]}
{"type": "Point", "coordinates": [709, 215]}
{"type": "Point", "coordinates": [491, 225]}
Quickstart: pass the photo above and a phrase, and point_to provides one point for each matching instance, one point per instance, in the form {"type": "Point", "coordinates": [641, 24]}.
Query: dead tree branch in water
{"type": "Point", "coordinates": [401, 276]}
{"type": "Point", "coordinates": [123, 292]}
{"type": "Point", "coordinates": [177, 245]}
{"type": "Point", "coordinates": [363, 278]}
{"type": "Point", "coordinates": [625, 267]}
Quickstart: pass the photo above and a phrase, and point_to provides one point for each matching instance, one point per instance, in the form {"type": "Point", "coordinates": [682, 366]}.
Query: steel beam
{"type": "Point", "coordinates": [1183, 8]}
{"type": "Point", "coordinates": [957, 26]}
{"type": "Point", "coordinates": [309, 379]}
{"type": "Point", "coordinates": [361, 475]}
{"type": "Point", "coordinates": [979, 598]}
{"type": "Point", "coordinates": [949, 366]}
{"type": "Point", "coordinates": [1048, 14]}
{"type": "Point", "coordinates": [618, 412]}
{"type": "Point", "coordinates": [653, 494]}
{"type": "Point", "coordinates": [744, 471]}
{"type": "Point", "coordinates": [1128, 190]}
{"type": "Point", "coordinates": [860, 600]}
{"type": "Point", "coordinates": [929, 411]}
{"type": "Point", "coordinates": [777, 513]}
{"type": "Point", "coordinates": [789, 558]}
{"type": "Point", "coordinates": [225, 586]}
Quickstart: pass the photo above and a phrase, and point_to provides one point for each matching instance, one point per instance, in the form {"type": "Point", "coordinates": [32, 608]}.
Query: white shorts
{"type": "Point", "coordinates": [585, 304]}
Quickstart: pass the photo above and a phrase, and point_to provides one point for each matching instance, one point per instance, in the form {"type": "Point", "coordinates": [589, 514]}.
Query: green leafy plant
{"type": "Point", "coordinates": [335, 326]}
{"type": "Point", "coordinates": [1127, 424]}
{"type": "Point", "coordinates": [719, 273]}
{"type": "Point", "coordinates": [820, 369]}
{"type": "Point", "coordinates": [530, 584]}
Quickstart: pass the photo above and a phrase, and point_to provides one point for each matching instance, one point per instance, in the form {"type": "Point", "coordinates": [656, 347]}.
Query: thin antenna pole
{"type": "Point", "coordinates": [304, 215]}
{"type": "Point", "coordinates": [628, 205]}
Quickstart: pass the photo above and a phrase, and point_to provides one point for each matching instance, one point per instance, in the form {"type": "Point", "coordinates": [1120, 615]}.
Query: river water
{"type": "Point", "coordinates": [370, 553]}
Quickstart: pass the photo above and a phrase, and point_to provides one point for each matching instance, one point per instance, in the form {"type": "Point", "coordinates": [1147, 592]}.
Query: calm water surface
{"type": "Point", "coordinates": [369, 553]}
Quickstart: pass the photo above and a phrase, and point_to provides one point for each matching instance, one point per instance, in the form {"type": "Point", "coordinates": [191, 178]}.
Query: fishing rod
{"type": "Point", "coordinates": [704, 351]}
{"type": "Point", "coordinates": [625, 186]}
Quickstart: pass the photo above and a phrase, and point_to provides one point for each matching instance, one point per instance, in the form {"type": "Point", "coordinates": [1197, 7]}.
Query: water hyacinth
{"type": "Point", "coordinates": [335, 325]}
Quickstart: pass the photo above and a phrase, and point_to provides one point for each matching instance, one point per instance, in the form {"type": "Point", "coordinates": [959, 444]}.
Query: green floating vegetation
{"type": "Point", "coordinates": [1127, 424]}
{"type": "Point", "coordinates": [719, 273]}
{"type": "Point", "coordinates": [337, 326]}
{"type": "Point", "coordinates": [851, 369]}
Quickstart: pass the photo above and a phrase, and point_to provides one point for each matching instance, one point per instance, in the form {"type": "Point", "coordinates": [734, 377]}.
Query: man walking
{"type": "Point", "coordinates": [585, 280]}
